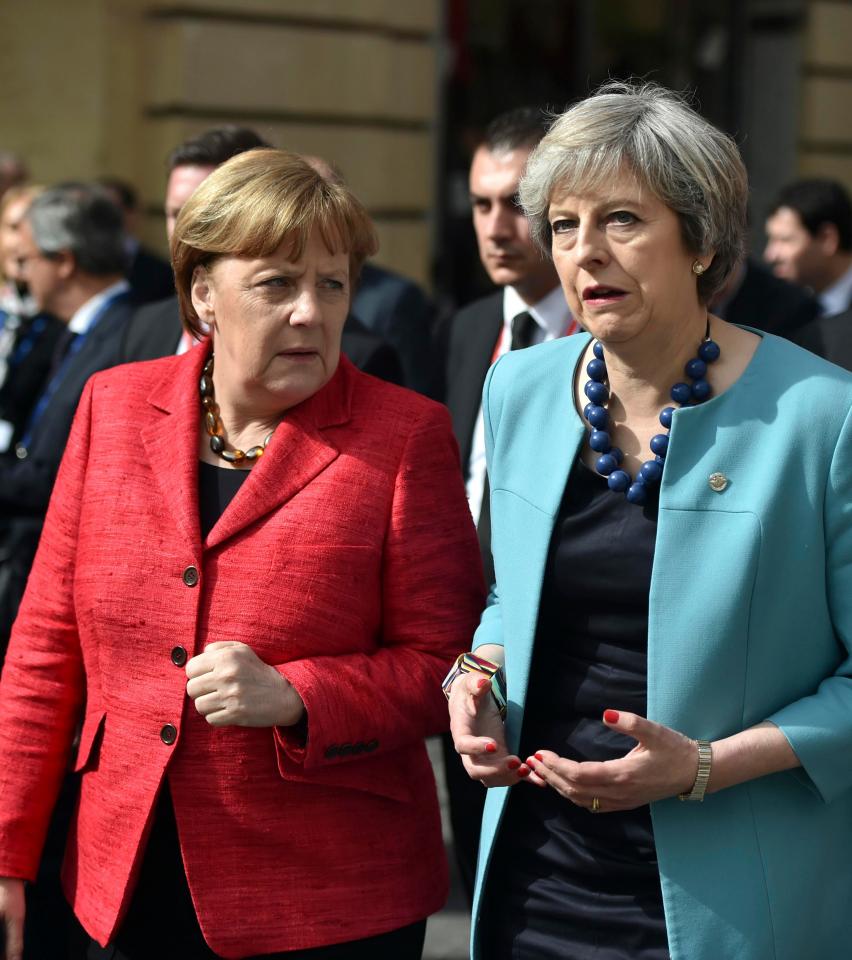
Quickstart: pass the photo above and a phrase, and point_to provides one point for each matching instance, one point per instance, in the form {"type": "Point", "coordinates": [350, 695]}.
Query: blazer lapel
{"type": "Point", "coordinates": [298, 452]}
{"type": "Point", "coordinates": [171, 442]}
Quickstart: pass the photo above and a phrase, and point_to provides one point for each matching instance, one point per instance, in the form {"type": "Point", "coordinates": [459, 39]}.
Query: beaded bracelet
{"type": "Point", "coordinates": [471, 663]}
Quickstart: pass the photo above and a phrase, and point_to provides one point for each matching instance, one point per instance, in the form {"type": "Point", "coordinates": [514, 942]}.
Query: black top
{"type": "Point", "coordinates": [567, 883]}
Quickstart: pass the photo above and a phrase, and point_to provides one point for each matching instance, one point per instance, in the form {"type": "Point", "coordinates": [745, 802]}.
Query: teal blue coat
{"type": "Point", "coordinates": [750, 619]}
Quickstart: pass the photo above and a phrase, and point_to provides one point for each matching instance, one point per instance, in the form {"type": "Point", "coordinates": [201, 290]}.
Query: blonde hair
{"type": "Point", "coordinates": [693, 167]}
{"type": "Point", "coordinates": [252, 204]}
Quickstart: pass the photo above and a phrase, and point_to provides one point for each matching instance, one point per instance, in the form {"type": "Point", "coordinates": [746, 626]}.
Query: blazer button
{"type": "Point", "coordinates": [190, 576]}
{"type": "Point", "coordinates": [372, 745]}
{"type": "Point", "coordinates": [347, 750]}
{"type": "Point", "coordinates": [178, 656]}
{"type": "Point", "coordinates": [332, 752]}
{"type": "Point", "coordinates": [168, 734]}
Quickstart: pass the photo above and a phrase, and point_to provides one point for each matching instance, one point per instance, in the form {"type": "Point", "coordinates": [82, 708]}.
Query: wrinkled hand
{"type": "Point", "coordinates": [232, 686]}
{"type": "Point", "coordinates": [478, 735]}
{"type": "Point", "coordinates": [12, 909]}
{"type": "Point", "coordinates": [662, 764]}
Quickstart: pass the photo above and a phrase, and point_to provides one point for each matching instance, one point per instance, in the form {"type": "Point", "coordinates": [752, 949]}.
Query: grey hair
{"type": "Point", "coordinates": [81, 219]}
{"type": "Point", "coordinates": [694, 168]}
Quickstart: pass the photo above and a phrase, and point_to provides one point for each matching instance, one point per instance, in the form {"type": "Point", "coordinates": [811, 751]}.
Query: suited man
{"type": "Point", "coordinates": [27, 337]}
{"type": "Point", "coordinates": [754, 296]}
{"type": "Point", "coordinates": [528, 308]}
{"type": "Point", "coordinates": [809, 241]}
{"type": "Point", "coordinates": [71, 253]}
{"type": "Point", "coordinates": [156, 329]}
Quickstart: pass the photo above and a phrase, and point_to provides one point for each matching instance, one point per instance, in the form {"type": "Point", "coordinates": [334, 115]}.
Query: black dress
{"type": "Point", "coordinates": [161, 922]}
{"type": "Point", "coordinates": [567, 884]}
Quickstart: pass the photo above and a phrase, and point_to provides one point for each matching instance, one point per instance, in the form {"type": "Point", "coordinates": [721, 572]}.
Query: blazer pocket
{"type": "Point", "coordinates": [93, 724]}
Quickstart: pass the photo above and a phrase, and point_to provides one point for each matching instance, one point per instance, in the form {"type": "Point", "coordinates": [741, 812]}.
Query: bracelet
{"type": "Point", "coordinates": [705, 761]}
{"type": "Point", "coordinates": [471, 663]}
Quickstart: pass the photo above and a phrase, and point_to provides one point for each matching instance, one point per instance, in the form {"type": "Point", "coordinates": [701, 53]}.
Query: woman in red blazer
{"type": "Point", "coordinates": [256, 564]}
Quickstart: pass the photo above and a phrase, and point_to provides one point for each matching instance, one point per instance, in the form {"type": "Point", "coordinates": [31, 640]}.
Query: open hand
{"type": "Point", "coordinates": [663, 764]}
{"type": "Point", "coordinates": [232, 686]}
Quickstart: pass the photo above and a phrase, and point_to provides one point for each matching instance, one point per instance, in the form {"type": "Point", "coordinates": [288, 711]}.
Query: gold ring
{"type": "Point", "coordinates": [596, 805]}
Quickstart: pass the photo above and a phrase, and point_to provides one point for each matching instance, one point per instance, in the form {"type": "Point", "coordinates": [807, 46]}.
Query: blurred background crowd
{"type": "Point", "coordinates": [115, 110]}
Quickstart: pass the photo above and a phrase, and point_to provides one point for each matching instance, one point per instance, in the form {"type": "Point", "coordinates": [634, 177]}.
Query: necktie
{"type": "Point", "coordinates": [523, 328]}
{"type": "Point", "coordinates": [60, 351]}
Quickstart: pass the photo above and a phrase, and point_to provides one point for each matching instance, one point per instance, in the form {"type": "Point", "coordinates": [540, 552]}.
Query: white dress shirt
{"type": "Point", "coordinates": [553, 319]}
{"type": "Point", "coordinates": [84, 317]}
{"type": "Point", "coordinates": [837, 297]}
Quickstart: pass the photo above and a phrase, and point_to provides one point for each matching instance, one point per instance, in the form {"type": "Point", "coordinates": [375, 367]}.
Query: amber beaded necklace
{"type": "Point", "coordinates": [215, 428]}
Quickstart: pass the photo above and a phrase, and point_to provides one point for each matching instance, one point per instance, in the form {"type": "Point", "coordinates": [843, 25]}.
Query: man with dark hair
{"type": "Point", "coordinates": [71, 254]}
{"type": "Point", "coordinates": [156, 329]}
{"type": "Point", "coordinates": [809, 241]}
{"type": "Point", "coordinates": [149, 275]}
{"type": "Point", "coordinates": [528, 308]}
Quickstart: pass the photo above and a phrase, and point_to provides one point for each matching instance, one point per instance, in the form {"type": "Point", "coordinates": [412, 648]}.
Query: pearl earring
{"type": "Point", "coordinates": [698, 268]}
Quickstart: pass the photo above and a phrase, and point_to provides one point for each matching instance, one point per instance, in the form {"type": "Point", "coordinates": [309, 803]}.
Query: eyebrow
{"type": "Point", "coordinates": [614, 204]}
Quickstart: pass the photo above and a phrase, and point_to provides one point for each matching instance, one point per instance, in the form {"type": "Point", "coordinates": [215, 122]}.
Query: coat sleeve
{"type": "Point", "coordinates": [432, 594]}
{"type": "Point", "coordinates": [43, 685]}
{"type": "Point", "coordinates": [819, 727]}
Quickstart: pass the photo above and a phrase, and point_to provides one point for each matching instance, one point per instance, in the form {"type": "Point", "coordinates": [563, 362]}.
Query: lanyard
{"type": "Point", "coordinates": [47, 395]}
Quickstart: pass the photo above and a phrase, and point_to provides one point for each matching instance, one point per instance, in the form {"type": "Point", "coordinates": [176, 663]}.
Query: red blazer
{"type": "Point", "coordinates": [348, 560]}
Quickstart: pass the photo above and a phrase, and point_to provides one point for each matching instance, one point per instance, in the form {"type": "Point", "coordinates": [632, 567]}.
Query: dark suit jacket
{"type": "Point", "coordinates": [770, 304]}
{"type": "Point", "coordinates": [155, 331]}
{"type": "Point", "coordinates": [150, 277]}
{"type": "Point", "coordinates": [830, 338]}
{"type": "Point", "coordinates": [26, 377]}
{"type": "Point", "coordinates": [473, 335]}
{"type": "Point", "coordinates": [397, 310]}
{"type": "Point", "coordinates": [26, 484]}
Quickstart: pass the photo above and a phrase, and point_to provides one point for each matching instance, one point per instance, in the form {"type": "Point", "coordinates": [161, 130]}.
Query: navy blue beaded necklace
{"type": "Point", "coordinates": [608, 463]}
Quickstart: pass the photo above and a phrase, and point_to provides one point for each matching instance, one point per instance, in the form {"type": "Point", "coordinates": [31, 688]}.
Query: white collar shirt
{"type": "Point", "coordinates": [85, 316]}
{"type": "Point", "coordinates": [837, 297]}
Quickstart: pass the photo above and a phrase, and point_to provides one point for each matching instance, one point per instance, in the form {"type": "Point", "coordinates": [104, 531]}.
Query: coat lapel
{"type": "Point", "coordinates": [297, 453]}
{"type": "Point", "coordinates": [171, 442]}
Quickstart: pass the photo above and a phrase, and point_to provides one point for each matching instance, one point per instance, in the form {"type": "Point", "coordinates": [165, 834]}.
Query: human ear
{"type": "Point", "coordinates": [202, 293]}
{"type": "Point", "coordinates": [65, 263]}
{"type": "Point", "coordinates": [828, 239]}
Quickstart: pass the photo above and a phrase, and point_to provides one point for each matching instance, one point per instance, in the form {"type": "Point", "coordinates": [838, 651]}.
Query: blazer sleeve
{"type": "Point", "coordinates": [43, 684]}
{"type": "Point", "coordinates": [432, 594]}
{"type": "Point", "coordinates": [819, 727]}
{"type": "Point", "coordinates": [490, 629]}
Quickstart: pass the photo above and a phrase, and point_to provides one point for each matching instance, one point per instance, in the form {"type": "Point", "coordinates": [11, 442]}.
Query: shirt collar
{"type": "Point", "coordinates": [837, 297]}
{"type": "Point", "coordinates": [551, 313]}
{"type": "Point", "coordinates": [85, 315]}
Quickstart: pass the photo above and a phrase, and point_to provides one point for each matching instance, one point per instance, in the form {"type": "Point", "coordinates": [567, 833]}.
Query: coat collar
{"type": "Point", "coordinates": [298, 451]}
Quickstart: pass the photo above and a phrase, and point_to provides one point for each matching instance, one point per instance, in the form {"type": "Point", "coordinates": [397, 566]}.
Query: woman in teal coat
{"type": "Point", "coordinates": [671, 500]}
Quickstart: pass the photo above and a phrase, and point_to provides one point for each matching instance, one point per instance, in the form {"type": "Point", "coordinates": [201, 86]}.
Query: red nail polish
{"type": "Point", "coordinates": [530, 761]}
{"type": "Point", "coordinates": [539, 757]}
{"type": "Point", "coordinates": [491, 748]}
{"type": "Point", "coordinates": [611, 716]}
{"type": "Point", "coordinates": [481, 683]}
{"type": "Point", "coordinates": [513, 764]}
{"type": "Point", "coordinates": [523, 770]}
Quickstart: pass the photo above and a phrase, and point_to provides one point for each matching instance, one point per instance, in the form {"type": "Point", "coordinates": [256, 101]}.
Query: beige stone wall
{"type": "Point", "coordinates": [825, 142]}
{"type": "Point", "coordinates": [110, 86]}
